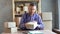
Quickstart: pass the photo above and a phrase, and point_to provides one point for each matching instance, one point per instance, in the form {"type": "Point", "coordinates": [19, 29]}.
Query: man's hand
{"type": "Point", "coordinates": [25, 24]}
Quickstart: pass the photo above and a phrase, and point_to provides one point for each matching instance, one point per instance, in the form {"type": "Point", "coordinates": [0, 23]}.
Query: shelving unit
{"type": "Point", "coordinates": [20, 4]}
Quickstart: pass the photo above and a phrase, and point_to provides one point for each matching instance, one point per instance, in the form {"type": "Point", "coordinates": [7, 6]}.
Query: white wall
{"type": "Point", "coordinates": [5, 12]}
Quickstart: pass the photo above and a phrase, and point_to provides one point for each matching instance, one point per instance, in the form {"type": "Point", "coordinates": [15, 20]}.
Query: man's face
{"type": "Point", "coordinates": [32, 9]}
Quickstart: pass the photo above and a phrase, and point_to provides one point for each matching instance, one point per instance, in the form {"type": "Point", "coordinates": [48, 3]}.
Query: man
{"type": "Point", "coordinates": [31, 16]}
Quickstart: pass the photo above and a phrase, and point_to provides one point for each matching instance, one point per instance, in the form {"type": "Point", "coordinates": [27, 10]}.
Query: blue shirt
{"type": "Point", "coordinates": [27, 18]}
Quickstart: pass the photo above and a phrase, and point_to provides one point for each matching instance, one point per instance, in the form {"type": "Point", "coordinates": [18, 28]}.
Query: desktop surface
{"type": "Point", "coordinates": [8, 31]}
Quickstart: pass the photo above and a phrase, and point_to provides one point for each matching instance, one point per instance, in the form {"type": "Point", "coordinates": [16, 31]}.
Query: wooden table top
{"type": "Point", "coordinates": [8, 31]}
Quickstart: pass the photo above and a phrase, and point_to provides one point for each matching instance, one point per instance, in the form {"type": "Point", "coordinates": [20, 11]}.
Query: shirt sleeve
{"type": "Point", "coordinates": [40, 23]}
{"type": "Point", "coordinates": [22, 22]}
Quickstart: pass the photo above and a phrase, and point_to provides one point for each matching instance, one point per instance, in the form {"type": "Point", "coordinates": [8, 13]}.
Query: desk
{"type": "Point", "coordinates": [7, 31]}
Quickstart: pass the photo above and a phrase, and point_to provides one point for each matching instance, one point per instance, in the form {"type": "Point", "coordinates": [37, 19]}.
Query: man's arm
{"type": "Point", "coordinates": [22, 22]}
{"type": "Point", "coordinates": [40, 23]}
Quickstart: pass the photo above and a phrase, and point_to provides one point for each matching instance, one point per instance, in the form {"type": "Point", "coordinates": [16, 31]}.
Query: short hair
{"type": "Point", "coordinates": [32, 4]}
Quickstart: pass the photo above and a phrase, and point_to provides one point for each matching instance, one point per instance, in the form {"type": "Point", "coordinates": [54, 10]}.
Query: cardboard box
{"type": "Point", "coordinates": [14, 30]}
{"type": "Point", "coordinates": [11, 24]}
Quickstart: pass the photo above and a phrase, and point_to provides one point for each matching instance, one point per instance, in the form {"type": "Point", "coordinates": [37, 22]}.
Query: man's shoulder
{"type": "Point", "coordinates": [25, 14]}
{"type": "Point", "coordinates": [37, 14]}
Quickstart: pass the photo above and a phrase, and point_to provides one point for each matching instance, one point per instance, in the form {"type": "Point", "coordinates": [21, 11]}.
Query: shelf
{"type": "Point", "coordinates": [18, 15]}
{"type": "Point", "coordinates": [17, 3]}
{"type": "Point", "coordinates": [27, 0]}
